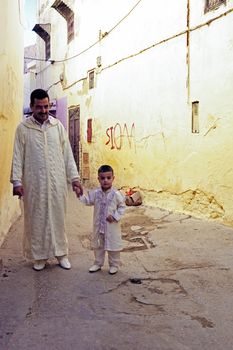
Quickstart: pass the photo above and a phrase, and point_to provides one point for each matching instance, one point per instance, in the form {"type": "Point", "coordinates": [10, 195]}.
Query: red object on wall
{"type": "Point", "coordinates": [89, 130]}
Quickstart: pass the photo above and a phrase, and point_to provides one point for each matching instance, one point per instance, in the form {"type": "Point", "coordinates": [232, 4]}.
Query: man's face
{"type": "Point", "coordinates": [106, 180]}
{"type": "Point", "coordinates": [40, 109]}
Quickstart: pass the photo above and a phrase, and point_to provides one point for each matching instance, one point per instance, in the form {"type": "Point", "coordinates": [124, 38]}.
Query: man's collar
{"type": "Point", "coordinates": [46, 121]}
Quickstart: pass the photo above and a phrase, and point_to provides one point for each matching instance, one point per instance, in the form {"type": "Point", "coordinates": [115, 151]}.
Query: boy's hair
{"type": "Point", "coordinates": [105, 168]}
{"type": "Point", "coordinates": [39, 94]}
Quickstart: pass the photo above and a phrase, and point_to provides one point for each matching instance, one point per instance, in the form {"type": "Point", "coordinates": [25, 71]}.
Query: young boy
{"type": "Point", "coordinates": [109, 207]}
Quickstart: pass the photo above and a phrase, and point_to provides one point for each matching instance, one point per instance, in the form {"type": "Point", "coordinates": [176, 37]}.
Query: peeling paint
{"type": "Point", "coordinates": [195, 202]}
{"type": "Point", "coordinates": [11, 85]}
{"type": "Point", "coordinates": [88, 102]}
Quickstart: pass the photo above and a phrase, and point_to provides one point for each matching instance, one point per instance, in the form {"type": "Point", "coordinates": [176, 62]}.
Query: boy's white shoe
{"type": "Point", "coordinates": [113, 270]}
{"type": "Point", "coordinates": [39, 265]}
{"type": "Point", "coordinates": [94, 268]}
{"type": "Point", "coordinates": [64, 262]}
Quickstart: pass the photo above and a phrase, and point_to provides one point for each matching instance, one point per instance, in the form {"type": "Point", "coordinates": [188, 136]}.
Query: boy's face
{"type": "Point", "coordinates": [106, 180]}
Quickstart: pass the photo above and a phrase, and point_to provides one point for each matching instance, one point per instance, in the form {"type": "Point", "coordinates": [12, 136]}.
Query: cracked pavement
{"type": "Point", "coordinates": [174, 290]}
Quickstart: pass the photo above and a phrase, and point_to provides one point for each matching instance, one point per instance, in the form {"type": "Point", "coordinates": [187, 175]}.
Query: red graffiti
{"type": "Point", "coordinates": [116, 136]}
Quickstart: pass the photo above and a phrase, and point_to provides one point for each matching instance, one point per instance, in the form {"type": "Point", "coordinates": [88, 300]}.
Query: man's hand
{"type": "Point", "coordinates": [110, 218]}
{"type": "Point", "coordinates": [77, 188]}
{"type": "Point", "coordinates": [18, 191]}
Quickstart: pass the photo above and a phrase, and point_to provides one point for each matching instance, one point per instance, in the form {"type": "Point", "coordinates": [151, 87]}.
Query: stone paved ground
{"type": "Point", "coordinates": [184, 300]}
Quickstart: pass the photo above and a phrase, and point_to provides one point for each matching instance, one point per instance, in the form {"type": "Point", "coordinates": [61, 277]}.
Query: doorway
{"type": "Point", "coordinates": [74, 132]}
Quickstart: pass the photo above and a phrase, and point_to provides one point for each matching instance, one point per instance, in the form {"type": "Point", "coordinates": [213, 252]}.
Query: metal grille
{"type": "Point", "coordinates": [195, 117]}
{"type": "Point", "coordinates": [213, 4]}
{"type": "Point", "coordinates": [91, 79]}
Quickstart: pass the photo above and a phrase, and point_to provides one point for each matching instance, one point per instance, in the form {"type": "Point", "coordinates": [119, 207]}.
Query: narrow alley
{"type": "Point", "coordinates": [173, 292]}
{"type": "Point", "coordinates": [146, 87]}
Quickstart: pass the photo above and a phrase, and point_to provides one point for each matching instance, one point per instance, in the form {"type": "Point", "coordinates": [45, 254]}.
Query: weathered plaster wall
{"type": "Point", "coordinates": [155, 63]}
{"type": "Point", "coordinates": [29, 86]}
{"type": "Point", "coordinates": [11, 75]}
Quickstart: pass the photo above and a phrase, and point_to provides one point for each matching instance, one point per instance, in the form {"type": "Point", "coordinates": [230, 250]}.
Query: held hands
{"type": "Point", "coordinates": [110, 218]}
{"type": "Point", "coordinates": [77, 188]}
{"type": "Point", "coordinates": [18, 191]}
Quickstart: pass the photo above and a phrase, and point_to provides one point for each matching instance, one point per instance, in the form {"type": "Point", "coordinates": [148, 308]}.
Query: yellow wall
{"type": "Point", "coordinates": [11, 80]}
{"type": "Point", "coordinates": [152, 69]}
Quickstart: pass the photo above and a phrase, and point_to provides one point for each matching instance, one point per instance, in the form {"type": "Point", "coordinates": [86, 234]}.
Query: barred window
{"type": "Point", "coordinates": [211, 5]}
{"type": "Point", "coordinates": [91, 76]}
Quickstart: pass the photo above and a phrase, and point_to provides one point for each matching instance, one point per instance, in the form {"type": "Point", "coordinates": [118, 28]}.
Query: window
{"type": "Point", "coordinates": [68, 14]}
{"type": "Point", "coordinates": [43, 30]}
{"type": "Point", "coordinates": [211, 5]}
{"type": "Point", "coordinates": [89, 130]}
{"type": "Point", "coordinates": [195, 117]}
{"type": "Point", "coordinates": [91, 76]}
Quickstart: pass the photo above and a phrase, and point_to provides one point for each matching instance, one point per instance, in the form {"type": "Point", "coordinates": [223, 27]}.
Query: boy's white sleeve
{"type": "Point", "coordinates": [121, 206]}
{"type": "Point", "coordinates": [88, 199]}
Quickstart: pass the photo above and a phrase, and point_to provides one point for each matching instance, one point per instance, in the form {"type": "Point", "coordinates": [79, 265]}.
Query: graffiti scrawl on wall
{"type": "Point", "coordinates": [119, 137]}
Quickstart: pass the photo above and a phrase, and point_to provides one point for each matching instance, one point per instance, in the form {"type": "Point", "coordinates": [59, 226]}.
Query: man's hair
{"type": "Point", "coordinates": [39, 94]}
{"type": "Point", "coordinates": [105, 168]}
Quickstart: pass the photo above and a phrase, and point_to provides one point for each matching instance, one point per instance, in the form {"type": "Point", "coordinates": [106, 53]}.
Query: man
{"type": "Point", "coordinates": [42, 165]}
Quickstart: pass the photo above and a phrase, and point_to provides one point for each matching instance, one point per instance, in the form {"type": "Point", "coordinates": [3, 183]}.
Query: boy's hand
{"type": "Point", "coordinates": [110, 218]}
{"type": "Point", "coordinates": [18, 191]}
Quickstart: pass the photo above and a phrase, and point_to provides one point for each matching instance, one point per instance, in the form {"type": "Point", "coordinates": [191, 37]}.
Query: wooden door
{"type": "Point", "coordinates": [74, 132]}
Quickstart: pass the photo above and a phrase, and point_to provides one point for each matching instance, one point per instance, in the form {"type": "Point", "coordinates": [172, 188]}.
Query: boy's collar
{"type": "Point", "coordinates": [108, 190]}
